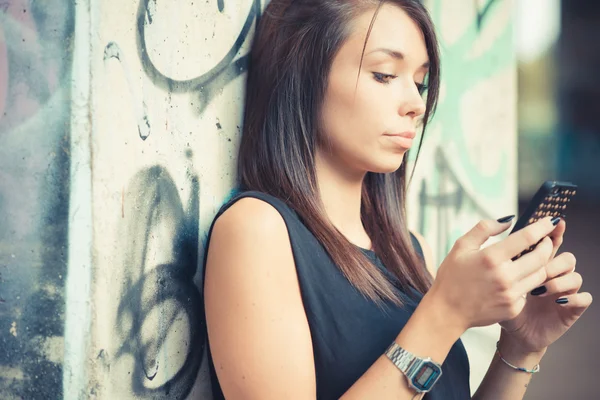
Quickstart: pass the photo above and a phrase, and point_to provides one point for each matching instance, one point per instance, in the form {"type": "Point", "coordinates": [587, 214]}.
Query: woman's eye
{"type": "Point", "coordinates": [383, 78]}
{"type": "Point", "coordinates": [386, 78]}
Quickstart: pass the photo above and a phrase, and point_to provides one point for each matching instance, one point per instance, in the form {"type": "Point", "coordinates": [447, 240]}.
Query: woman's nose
{"type": "Point", "coordinates": [411, 103]}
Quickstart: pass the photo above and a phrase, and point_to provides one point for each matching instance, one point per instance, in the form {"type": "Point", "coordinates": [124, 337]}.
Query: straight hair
{"type": "Point", "coordinates": [290, 60]}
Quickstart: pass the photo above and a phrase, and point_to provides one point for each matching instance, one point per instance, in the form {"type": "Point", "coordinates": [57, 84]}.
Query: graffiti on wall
{"type": "Point", "coordinates": [482, 12]}
{"type": "Point", "coordinates": [35, 61]}
{"type": "Point", "coordinates": [467, 167]}
{"type": "Point", "coordinates": [464, 170]}
{"type": "Point", "coordinates": [157, 348]}
{"type": "Point", "coordinates": [169, 287]}
{"type": "Point", "coordinates": [213, 79]}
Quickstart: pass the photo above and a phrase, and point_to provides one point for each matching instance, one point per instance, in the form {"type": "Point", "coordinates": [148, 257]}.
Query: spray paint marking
{"type": "Point", "coordinates": [112, 50]}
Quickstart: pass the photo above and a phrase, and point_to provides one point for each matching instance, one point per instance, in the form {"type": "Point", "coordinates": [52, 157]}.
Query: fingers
{"type": "Point", "coordinates": [579, 301]}
{"type": "Point", "coordinates": [532, 262]}
{"type": "Point", "coordinates": [530, 282]}
{"type": "Point", "coordinates": [566, 284]}
{"type": "Point", "coordinates": [558, 232]}
{"type": "Point", "coordinates": [560, 265]}
{"type": "Point", "coordinates": [557, 236]}
{"type": "Point", "coordinates": [521, 240]}
{"type": "Point", "coordinates": [480, 233]}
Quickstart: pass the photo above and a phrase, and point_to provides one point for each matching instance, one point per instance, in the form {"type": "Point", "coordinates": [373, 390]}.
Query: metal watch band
{"type": "Point", "coordinates": [400, 357]}
{"type": "Point", "coordinates": [412, 367]}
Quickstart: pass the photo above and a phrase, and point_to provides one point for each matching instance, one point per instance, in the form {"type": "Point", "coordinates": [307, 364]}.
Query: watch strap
{"type": "Point", "coordinates": [400, 357]}
{"type": "Point", "coordinates": [410, 365]}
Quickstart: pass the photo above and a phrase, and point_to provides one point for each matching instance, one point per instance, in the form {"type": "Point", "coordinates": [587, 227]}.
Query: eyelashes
{"type": "Point", "coordinates": [383, 78]}
{"type": "Point", "coordinates": [386, 78]}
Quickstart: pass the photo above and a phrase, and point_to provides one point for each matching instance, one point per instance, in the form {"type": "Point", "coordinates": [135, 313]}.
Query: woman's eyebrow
{"type": "Point", "coordinates": [395, 54]}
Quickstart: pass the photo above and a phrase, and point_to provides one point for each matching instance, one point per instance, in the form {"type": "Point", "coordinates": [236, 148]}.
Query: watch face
{"type": "Point", "coordinates": [426, 376]}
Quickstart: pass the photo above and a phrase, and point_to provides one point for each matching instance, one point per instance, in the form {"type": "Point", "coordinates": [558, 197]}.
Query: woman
{"type": "Point", "coordinates": [314, 288]}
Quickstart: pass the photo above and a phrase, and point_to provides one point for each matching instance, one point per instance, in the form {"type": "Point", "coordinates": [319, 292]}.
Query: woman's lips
{"type": "Point", "coordinates": [403, 139]}
{"type": "Point", "coordinates": [407, 134]}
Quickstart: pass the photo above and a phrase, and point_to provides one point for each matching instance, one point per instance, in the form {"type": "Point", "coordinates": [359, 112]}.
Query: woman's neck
{"type": "Point", "coordinates": [341, 193]}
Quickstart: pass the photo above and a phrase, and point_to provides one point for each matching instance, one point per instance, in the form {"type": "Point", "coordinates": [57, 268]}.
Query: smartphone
{"type": "Point", "coordinates": [551, 199]}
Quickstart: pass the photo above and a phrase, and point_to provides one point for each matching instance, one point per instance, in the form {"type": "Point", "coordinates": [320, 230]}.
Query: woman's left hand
{"type": "Point", "coordinates": [543, 320]}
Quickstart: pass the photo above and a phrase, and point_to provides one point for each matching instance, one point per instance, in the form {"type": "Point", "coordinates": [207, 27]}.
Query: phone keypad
{"type": "Point", "coordinates": [554, 205]}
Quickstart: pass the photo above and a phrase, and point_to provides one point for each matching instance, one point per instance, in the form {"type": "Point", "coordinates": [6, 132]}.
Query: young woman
{"type": "Point", "coordinates": [314, 287]}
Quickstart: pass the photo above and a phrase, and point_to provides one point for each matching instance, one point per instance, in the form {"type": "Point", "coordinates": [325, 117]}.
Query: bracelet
{"type": "Point", "coordinates": [530, 371]}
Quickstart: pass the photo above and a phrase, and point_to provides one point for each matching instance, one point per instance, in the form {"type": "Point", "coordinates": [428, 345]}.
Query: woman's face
{"type": "Point", "coordinates": [369, 127]}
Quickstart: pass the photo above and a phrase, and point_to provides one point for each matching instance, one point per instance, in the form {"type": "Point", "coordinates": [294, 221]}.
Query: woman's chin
{"type": "Point", "coordinates": [387, 165]}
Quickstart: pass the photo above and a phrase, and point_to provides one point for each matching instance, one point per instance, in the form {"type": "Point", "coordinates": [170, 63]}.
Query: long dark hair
{"type": "Point", "coordinates": [291, 58]}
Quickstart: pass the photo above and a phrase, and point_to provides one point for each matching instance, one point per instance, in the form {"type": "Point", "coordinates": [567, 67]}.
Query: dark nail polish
{"type": "Point", "coordinates": [562, 300]}
{"type": "Point", "coordinates": [504, 220]}
{"type": "Point", "coordinates": [555, 221]}
{"type": "Point", "coordinates": [539, 290]}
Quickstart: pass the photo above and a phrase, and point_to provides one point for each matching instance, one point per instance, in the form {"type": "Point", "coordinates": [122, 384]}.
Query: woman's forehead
{"type": "Point", "coordinates": [393, 33]}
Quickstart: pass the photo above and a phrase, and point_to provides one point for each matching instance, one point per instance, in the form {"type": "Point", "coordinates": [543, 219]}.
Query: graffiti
{"type": "Point", "coordinates": [467, 178]}
{"type": "Point", "coordinates": [159, 322]}
{"type": "Point", "coordinates": [35, 62]}
{"type": "Point", "coordinates": [167, 288]}
{"type": "Point", "coordinates": [467, 163]}
{"type": "Point", "coordinates": [112, 51]}
{"type": "Point", "coordinates": [213, 80]}
{"type": "Point", "coordinates": [205, 86]}
{"type": "Point", "coordinates": [157, 341]}
{"type": "Point", "coordinates": [448, 200]}
{"type": "Point", "coordinates": [483, 12]}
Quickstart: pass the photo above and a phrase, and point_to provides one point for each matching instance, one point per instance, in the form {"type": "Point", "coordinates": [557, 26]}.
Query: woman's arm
{"type": "Point", "coordinates": [428, 333]}
{"type": "Point", "coordinates": [501, 381]}
{"type": "Point", "coordinates": [259, 335]}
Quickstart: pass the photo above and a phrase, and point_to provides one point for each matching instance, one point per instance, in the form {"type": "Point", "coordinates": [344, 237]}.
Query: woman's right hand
{"type": "Point", "coordinates": [484, 286]}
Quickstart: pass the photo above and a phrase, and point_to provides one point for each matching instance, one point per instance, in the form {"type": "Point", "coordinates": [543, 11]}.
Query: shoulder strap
{"type": "Point", "coordinates": [284, 209]}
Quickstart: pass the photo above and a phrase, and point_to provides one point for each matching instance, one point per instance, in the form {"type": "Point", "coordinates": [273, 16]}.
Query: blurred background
{"type": "Point", "coordinates": [559, 138]}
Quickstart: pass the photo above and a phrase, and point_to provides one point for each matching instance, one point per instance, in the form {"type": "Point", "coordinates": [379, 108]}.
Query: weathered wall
{"type": "Point", "coordinates": [168, 82]}
{"type": "Point", "coordinates": [109, 180]}
{"type": "Point", "coordinates": [35, 111]}
{"type": "Point", "coordinates": [467, 168]}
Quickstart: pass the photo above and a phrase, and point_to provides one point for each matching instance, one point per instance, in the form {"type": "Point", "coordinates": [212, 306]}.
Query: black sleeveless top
{"type": "Point", "coordinates": [349, 332]}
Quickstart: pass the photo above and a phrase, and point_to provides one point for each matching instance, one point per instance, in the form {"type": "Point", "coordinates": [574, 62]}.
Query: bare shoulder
{"type": "Point", "coordinates": [427, 253]}
{"type": "Point", "coordinates": [253, 306]}
{"type": "Point", "coordinates": [250, 215]}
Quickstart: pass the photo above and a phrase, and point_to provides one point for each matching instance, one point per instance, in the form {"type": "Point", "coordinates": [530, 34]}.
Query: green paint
{"type": "Point", "coordinates": [460, 75]}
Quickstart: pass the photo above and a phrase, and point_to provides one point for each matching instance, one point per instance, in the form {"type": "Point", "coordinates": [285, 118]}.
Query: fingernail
{"type": "Point", "coordinates": [539, 290]}
{"type": "Point", "coordinates": [555, 221]}
{"type": "Point", "coordinates": [506, 219]}
{"type": "Point", "coordinates": [562, 300]}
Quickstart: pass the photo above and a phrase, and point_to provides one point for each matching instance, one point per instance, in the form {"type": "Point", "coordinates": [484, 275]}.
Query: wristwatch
{"type": "Point", "coordinates": [422, 373]}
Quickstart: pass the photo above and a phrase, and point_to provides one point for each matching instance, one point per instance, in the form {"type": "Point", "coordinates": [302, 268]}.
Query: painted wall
{"type": "Point", "coordinates": [119, 124]}
{"type": "Point", "coordinates": [36, 56]}
{"type": "Point", "coordinates": [168, 81]}
{"type": "Point", "coordinates": [467, 168]}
